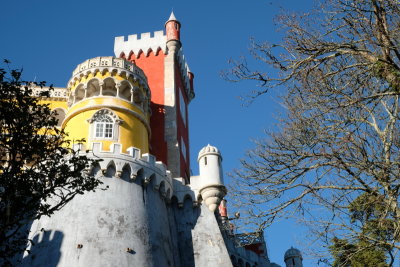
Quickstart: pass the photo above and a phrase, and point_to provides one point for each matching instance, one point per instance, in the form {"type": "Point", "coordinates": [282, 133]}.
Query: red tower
{"type": "Point", "coordinates": [171, 83]}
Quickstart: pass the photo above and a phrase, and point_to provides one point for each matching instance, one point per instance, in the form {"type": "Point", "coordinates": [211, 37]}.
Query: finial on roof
{"type": "Point", "coordinates": [172, 16]}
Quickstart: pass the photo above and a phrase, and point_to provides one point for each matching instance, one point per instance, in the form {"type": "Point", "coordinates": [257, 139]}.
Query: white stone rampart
{"type": "Point", "coordinates": [195, 189]}
{"type": "Point", "coordinates": [182, 191]}
{"type": "Point", "coordinates": [110, 64]}
{"type": "Point", "coordinates": [145, 44]}
{"type": "Point", "coordinates": [150, 171]}
{"type": "Point", "coordinates": [154, 172]}
{"type": "Point", "coordinates": [127, 224]}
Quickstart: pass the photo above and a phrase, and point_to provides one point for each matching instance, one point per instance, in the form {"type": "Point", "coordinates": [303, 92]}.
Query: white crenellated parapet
{"type": "Point", "coordinates": [208, 187]}
{"type": "Point", "coordinates": [56, 92]}
{"type": "Point", "coordinates": [131, 166]}
{"type": "Point", "coordinates": [110, 64]}
{"type": "Point", "coordinates": [183, 191]}
{"type": "Point", "coordinates": [145, 44]}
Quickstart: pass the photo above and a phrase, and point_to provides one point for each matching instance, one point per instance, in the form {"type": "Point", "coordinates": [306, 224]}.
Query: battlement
{"type": "Point", "coordinates": [130, 166]}
{"type": "Point", "coordinates": [145, 170]}
{"type": "Point", "coordinates": [111, 64]}
{"type": "Point", "coordinates": [145, 44]}
{"type": "Point", "coordinates": [56, 92]}
{"type": "Point", "coordinates": [184, 191]}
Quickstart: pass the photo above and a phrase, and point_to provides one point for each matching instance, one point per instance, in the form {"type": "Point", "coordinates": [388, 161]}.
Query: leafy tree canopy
{"type": "Point", "coordinates": [39, 172]}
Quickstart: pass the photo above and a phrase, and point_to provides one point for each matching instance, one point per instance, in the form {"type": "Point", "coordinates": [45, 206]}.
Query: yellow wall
{"type": "Point", "coordinates": [53, 104]}
{"type": "Point", "coordinates": [132, 132]}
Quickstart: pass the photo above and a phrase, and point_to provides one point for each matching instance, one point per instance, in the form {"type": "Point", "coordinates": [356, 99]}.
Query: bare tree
{"type": "Point", "coordinates": [335, 160]}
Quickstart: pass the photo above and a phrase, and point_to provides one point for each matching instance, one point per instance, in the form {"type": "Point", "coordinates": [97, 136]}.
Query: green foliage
{"type": "Point", "coordinates": [370, 211]}
{"type": "Point", "coordinates": [369, 248]}
{"type": "Point", "coordinates": [39, 173]}
{"type": "Point", "coordinates": [360, 254]}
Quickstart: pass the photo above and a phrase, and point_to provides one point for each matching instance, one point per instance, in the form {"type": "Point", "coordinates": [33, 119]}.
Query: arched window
{"type": "Point", "coordinates": [105, 125]}
{"type": "Point", "coordinates": [137, 97]}
{"type": "Point", "coordinates": [109, 87]}
{"type": "Point", "coordinates": [93, 88]}
{"type": "Point", "coordinates": [125, 90]}
{"type": "Point", "coordinates": [79, 93]}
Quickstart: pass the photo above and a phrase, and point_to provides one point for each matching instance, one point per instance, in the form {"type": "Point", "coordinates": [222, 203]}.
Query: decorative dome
{"type": "Point", "coordinates": [208, 150]}
{"type": "Point", "coordinates": [293, 253]}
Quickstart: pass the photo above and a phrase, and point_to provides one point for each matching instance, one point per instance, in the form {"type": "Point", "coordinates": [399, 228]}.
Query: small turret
{"type": "Point", "coordinates": [172, 28]}
{"type": "Point", "coordinates": [293, 258]}
{"type": "Point", "coordinates": [212, 184]}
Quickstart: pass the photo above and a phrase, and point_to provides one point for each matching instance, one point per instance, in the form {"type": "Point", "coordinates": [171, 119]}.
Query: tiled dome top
{"type": "Point", "coordinates": [292, 252]}
{"type": "Point", "coordinates": [209, 150]}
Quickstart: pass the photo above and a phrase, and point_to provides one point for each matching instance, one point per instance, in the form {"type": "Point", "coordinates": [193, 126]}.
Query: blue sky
{"type": "Point", "coordinates": [48, 38]}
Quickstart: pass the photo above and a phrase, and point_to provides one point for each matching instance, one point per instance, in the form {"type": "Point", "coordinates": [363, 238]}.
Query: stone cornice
{"type": "Point", "coordinates": [112, 64]}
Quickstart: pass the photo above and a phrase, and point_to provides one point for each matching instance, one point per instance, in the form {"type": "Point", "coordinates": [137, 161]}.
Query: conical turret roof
{"type": "Point", "coordinates": [172, 18]}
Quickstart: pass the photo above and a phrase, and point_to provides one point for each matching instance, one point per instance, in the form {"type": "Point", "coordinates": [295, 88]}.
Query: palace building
{"type": "Point", "coordinates": [132, 111]}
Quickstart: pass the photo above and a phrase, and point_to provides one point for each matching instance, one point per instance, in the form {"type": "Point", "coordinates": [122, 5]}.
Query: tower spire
{"type": "Point", "coordinates": [172, 28]}
{"type": "Point", "coordinates": [172, 16]}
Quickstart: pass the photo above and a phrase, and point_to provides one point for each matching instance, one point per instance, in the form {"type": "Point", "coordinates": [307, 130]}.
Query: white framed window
{"type": "Point", "coordinates": [105, 125]}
